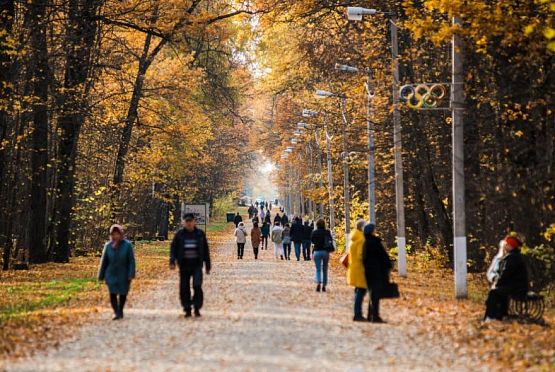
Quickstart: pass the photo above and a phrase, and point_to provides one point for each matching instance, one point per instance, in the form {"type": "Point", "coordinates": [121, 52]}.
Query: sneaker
{"type": "Point", "coordinates": [323, 288]}
{"type": "Point", "coordinates": [359, 319]}
{"type": "Point", "coordinates": [188, 313]}
{"type": "Point", "coordinates": [377, 319]}
{"type": "Point", "coordinates": [318, 288]}
{"type": "Point", "coordinates": [197, 313]}
{"type": "Point", "coordinates": [116, 317]}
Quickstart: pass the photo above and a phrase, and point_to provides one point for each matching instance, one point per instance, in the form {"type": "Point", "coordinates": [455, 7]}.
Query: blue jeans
{"type": "Point", "coordinates": [359, 297]}
{"type": "Point", "coordinates": [306, 249]}
{"type": "Point", "coordinates": [321, 260]}
{"type": "Point", "coordinates": [297, 250]}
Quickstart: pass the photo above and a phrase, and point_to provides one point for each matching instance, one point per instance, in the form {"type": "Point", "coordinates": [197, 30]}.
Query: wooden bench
{"type": "Point", "coordinates": [529, 307]}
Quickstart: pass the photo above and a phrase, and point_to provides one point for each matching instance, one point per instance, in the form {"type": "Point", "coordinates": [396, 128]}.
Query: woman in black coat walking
{"type": "Point", "coordinates": [377, 266]}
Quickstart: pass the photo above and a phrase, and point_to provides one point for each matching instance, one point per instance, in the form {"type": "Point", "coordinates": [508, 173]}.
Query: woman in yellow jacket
{"type": "Point", "coordinates": [355, 271]}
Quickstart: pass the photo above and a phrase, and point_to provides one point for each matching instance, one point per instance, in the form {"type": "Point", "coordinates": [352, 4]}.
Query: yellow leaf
{"type": "Point", "coordinates": [549, 33]}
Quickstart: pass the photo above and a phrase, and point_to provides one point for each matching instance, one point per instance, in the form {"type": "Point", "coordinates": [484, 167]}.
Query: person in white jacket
{"type": "Point", "coordinates": [277, 239]}
{"type": "Point", "coordinates": [493, 271]}
{"type": "Point", "coordinates": [241, 239]}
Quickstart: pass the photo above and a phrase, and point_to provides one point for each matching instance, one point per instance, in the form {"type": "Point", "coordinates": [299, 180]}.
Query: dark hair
{"type": "Point", "coordinates": [321, 224]}
{"type": "Point", "coordinates": [277, 223]}
{"type": "Point", "coordinates": [188, 217]}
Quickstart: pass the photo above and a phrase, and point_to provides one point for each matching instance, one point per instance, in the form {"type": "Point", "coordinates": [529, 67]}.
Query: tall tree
{"type": "Point", "coordinates": [39, 155]}
{"type": "Point", "coordinates": [80, 40]}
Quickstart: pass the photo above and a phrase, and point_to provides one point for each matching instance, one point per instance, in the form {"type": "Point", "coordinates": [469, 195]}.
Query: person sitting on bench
{"type": "Point", "coordinates": [511, 282]}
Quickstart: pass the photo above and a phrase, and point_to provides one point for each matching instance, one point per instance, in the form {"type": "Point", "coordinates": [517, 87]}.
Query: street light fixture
{"type": "Point", "coordinates": [356, 14]}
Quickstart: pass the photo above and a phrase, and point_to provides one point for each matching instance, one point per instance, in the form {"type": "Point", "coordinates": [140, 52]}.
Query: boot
{"type": "Point", "coordinates": [318, 288]}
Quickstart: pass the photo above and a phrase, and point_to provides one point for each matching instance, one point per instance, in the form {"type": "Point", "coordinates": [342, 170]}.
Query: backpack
{"type": "Point", "coordinates": [277, 236]}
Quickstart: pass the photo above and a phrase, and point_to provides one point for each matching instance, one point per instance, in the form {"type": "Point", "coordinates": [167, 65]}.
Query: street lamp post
{"type": "Point", "coordinates": [346, 195]}
{"type": "Point", "coordinates": [356, 14]}
{"type": "Point", "coordinates": [370, 135]}
{"type": "Point", "coordinates": [457, 108]}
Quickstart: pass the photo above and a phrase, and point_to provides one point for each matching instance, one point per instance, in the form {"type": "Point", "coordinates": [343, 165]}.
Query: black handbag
{"type": "Point", "coordinates": [390, 290]}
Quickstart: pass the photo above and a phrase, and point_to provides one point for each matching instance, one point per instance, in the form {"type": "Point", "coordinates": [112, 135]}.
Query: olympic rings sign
{"type": "Point", "coordinates": [422, 96]}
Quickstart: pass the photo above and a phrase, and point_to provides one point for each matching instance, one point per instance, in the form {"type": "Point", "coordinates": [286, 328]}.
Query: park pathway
{"type": "Point", "coordinates": [259, 316]}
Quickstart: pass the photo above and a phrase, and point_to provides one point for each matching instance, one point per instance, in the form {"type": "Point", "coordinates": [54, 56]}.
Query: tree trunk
{"type": "Point", "coordinates": [7, 14]}
{"type": "Point", "coordinates": [80, 38]}
{"type": "Point", "coordinates": [39, 155]}
{"type": "Point", "coordinates": [132, 112]}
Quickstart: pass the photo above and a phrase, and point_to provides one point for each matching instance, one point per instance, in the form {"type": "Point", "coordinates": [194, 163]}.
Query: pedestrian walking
{"type": "Point", "coordinates": [355, 271]}
{"type": "Point", "coordinates": [117, 269]}
{"type": "Point", "coordinates": [511, 282]}
{"type": "Point", "coordinates": [277, 239]}
{"type": "Point", "coordinates": [286, 234]}
{"type": "Point", "coordinates": [237, 219]}
{"type": "Point", "coordinates": [256, 237]}
{"type": "Point", "coordinates": [251, 211]}
{"type": "Point", "coordinates": [284, 218]}
{"type": "Point", "coordinates": [189, 249]}
{"type": "Point", "coordinates": [297, 237]}
{"type": "Point", "coordinates": [277, 219]}
{"type": "Point", "coordinates": [268, 218]}
{"type": "Point", "coordinates": [261, 214]}
{"type": "Point", "coordinates": [306, 239]}
{"type": "Point", "coordinates": [265, 234]}
{"type": "Point", "coordinates": [323, 246]}
{"type": "Point", "coordinates": [241, 239]}
{"type": "Point", "coordinates": [377, 266]}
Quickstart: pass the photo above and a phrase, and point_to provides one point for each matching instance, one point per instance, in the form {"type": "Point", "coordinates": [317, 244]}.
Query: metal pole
{"type": "Point", "coordinates": [397, 147]}
{"type": "Point", "coordinates": [346, 194]}
{"type": "Point", "coordinates": [371, 149]}
{"type": "Point", "coordinates": [457, 107]}
{"type": "Point", "coordinates": [321, 178]}
{"type": "Point", "coordinates": [330, 182]}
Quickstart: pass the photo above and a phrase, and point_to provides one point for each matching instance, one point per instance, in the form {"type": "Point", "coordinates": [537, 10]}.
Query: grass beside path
{"type": "Point", "coordinates": [38, 305]}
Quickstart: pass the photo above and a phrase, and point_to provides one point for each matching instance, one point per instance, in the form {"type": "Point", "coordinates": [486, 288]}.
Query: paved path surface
{"type": "Point", "coordinates": [259, 315]}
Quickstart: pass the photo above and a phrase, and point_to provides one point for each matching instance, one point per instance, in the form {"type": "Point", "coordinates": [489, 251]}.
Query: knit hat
{"type": "Point", "coordinates": [513, 242]}
{"type": "Point", "coordinates": [117, 228]}
{"type": "Point", "coordinates": [369, 228]}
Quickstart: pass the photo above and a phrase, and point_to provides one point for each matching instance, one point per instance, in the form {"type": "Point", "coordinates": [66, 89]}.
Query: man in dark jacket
{"type": "Point", "coordinates": [377, 266]}
{"type": "Point", "coordinates": [307, 233]}
{"type": "Point", "coordinates": [512, 281]}
{"type": "Point", "coordinates": [284, 219]}
{"type": "Point", "coordinates": [189, 249]}
{"type": "Point", "coordinates": [237, 219]}
{"type": "Point", "coordinates": [297, 236]}
{"type": "Point", "coordinates": [277, 219]}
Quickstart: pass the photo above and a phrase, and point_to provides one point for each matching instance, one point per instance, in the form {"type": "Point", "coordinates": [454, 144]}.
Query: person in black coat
{"type": "Point", "coordinates": [189, 250]}
{"type": "Point", "coordinates": [284, 219]}
{"type": "Point", "coordinates": [512, 281]}
{"type": "Point", "coordinates": [237, 219]}
{"type": "Point", "coordinates": [306, 236]}
{"type": "Point", "coordinates": [377, 266]}
{"type": "Point", "coordinates": [277, 219]}
{"type": "Point", "coordinates": [297, 237]}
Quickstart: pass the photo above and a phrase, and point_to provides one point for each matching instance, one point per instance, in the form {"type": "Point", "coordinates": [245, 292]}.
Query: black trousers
{"type": "Point", "coordinates": [186, 273]}
{"type": "Point", "coordinates": [240, 249]}
{"type": "Point", "coordinates": [497, 305]}
{"type": "Point", "coordinates": [255, 251]}
{"type": "Point", "coordinates": [264, 242]}
{"type": "Point", "coordinates": [117, 303]}
{"type": "Point", "coordinates": [374, 304]}
{"type": "Point", "coordinates": [287, 250]}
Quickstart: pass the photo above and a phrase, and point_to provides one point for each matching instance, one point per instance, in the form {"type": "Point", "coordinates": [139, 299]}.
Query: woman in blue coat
{"type": "Point", "coordinates": [117, 268]}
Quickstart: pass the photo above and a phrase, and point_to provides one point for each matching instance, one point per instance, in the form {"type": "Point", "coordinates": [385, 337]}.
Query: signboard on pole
{"type": "Point", "coordinates": [200, 211]}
